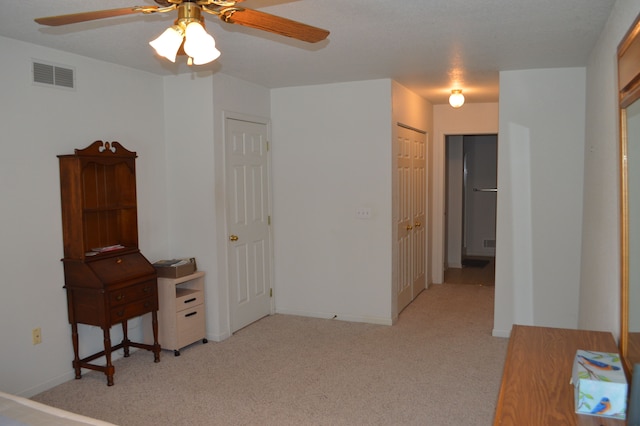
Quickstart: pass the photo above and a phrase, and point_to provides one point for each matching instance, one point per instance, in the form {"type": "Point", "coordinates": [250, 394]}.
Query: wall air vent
{"type": "Point", "coordinates": [53, 75]}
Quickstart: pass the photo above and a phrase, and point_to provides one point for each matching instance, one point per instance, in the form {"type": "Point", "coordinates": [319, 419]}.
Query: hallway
{"type": "Point", "coordinates": [475, 275]}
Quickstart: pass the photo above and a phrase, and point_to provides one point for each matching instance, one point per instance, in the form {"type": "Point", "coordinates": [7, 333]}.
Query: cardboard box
{"type": "Point", "coordinates": [175, 268]}
{"type": "Point", "coordinates": [600, 384]}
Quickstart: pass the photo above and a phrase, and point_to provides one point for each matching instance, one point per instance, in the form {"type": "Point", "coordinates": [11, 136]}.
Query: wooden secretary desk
{"type": "Point", "coordinates": [108, 281]}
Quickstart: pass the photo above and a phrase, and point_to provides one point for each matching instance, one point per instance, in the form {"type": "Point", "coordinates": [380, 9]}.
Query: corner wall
{"type": "Point", "coordinates": [539, 212]}
{"type": "Point", "coordinates": [196, 179]}
{"type": "Point", "coordinates": [38, 123]}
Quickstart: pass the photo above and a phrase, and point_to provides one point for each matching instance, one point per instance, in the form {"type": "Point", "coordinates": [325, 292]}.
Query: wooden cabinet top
{"type": "Point", "coordinates": [98, 199]}
{"type": "Point", "coordinates": [536, 388]}
{"type": "Point", "coordinates": [103, 150]}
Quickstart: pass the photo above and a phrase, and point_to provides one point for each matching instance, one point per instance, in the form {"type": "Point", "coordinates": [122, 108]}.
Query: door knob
{"type": "Point", "coordinates": [418, 224]}
{"type": "Point", "coordinates": [409, 227]}
{"type": "Point", "coordinates": [233, 238]}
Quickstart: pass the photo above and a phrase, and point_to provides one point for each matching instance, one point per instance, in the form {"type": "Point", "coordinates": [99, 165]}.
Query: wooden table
{"type": "Point", "coordinates": [535, 386]}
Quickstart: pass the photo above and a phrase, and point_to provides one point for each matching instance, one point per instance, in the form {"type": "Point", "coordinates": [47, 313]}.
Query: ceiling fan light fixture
{"type": "Point", "coordinates": [456, 100]}
{"type": "Point", "coordinates": [199, 44]}
{"type": "Point", "coordinates": [206, 56]}
{"type": "Point", "coordinates": [168, 43]}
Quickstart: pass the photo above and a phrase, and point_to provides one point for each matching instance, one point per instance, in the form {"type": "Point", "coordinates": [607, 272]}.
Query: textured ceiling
{"type": "Point", "coordinates": [429, 46]}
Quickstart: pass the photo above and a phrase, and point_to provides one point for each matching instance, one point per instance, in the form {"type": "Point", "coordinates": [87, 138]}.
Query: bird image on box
{"type": "Point", "coordinates": [599, 365]}
{"type": "Point", "coordinates": [603, 406]}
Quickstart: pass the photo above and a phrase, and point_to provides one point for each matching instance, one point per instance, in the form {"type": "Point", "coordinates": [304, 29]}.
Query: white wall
{"type": "Point", "coordinates": [411, 110]}
{"type": "Point", "coordinates": [539, 213]}
{"type": "Point", "coordinates": [38, 123]}
{"type": "Point", "coordinates": [331, 155]}
{"type": "Point", "coordinates": [600, 271]}
{"type": "Point", "coordinates": [471, 119]}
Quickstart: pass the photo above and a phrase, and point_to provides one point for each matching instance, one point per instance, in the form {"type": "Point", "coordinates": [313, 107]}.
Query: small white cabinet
{"type": "Point", "coordinates": [181, 313]}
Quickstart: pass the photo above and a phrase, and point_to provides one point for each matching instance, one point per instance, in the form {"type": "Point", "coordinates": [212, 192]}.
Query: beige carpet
{"type": "Point", "coordinates": [438, 366]}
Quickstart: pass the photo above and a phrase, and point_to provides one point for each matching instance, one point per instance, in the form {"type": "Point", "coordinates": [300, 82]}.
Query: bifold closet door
{"type": "Point", "coordinates": [411, 166]}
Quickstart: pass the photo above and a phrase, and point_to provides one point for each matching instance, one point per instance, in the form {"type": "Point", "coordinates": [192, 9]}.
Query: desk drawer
{"type": "Point", "coordinates": [132, 293]}
{"type": "Point", "coordinates": [134, 309]}
{"type": "Point", "coordinates": [188, 298]}
{"type": "Point", "coordinates": [190, 325]}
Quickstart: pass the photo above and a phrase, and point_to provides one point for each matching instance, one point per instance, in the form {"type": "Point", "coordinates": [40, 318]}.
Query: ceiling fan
{"type": "Point", "coordinates": [192, 39]}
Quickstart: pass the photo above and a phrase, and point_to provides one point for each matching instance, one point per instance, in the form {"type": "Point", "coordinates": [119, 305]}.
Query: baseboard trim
{"type": "Point", "coordinates": [501, 333]}
{"type": "Point", "coordinates": [218, 337]}
{"type": "Point", "coordinates": [339, 317]}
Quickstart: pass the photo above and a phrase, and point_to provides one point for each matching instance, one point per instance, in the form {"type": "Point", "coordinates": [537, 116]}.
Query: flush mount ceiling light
{"type": "Point", "coordinates": [189, 27]}
{"type": "Point", "coordinates": [187, 34]}
{"type": "Point", "coordinates": [456, 99]}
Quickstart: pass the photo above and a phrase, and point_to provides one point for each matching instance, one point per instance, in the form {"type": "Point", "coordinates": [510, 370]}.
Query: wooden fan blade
{"type": "Point", "coordinates": [274, 24]}
{"type": "Point", "coordinates": [73, 18]}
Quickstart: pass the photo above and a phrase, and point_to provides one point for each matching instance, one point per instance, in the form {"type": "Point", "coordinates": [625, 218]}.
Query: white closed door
{"type": "Point", "coordinates": [411, 223]}
{"type": "Point", "coordinates": [418, 211]}
{"type": "Point", "coordinates": [248, 234]}
{"type": "Point", "coordinates": [405, 219]}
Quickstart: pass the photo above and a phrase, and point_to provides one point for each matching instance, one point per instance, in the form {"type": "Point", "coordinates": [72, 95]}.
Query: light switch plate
{"type": "Point", "coordinates": [363, 213]}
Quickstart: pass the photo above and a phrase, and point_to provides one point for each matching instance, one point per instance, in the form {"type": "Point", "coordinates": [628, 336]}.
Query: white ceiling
{"type": "Point", "coordinates": [429, 46]}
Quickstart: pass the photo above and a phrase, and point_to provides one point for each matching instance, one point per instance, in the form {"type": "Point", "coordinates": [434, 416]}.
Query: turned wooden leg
{"type": "Point", "coordinates": [156, 345]}
{"type": "Point", "coordinates": [76, 353]}
{"type": "Point", "coordinates": [125, 338]}
{"type": "Point", "coordinates": [109, 370]}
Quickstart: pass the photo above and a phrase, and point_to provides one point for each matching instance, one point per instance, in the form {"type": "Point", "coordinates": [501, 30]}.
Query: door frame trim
{"type": "Point", "coordinates": [438, 204]}
{"type": "Point", "coordinates": [406, 126]}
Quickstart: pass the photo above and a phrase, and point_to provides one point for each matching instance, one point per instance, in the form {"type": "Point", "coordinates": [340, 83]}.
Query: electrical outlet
{"type": "Point", "coordinates": [36, 335]}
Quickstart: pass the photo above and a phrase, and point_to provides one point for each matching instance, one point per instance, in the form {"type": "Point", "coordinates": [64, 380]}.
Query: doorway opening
{"type": "Point", "coordinates": [470, 205]}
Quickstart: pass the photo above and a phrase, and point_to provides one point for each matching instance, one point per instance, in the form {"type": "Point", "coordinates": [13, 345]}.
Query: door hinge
{"type": "Point", "coordinates": [267, 145]}
{"type": "Point", "coordinates": [270, 292]}
{"type": "Point", "coordinates": [269, 220]}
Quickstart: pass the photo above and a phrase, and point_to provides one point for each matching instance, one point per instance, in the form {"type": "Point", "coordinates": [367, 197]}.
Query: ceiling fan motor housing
{"type": "Point", "coordinates": [223, 3]}
{"type": "Point", "coordinates": [189, 12]}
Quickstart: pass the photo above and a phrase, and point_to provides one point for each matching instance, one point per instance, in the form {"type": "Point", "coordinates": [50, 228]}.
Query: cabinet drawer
{"type": "Point", "coordinates": [121, 268]}
{"type": "Point", "coordinates": [134, 309]}
{"type": "Point", "coordinates": [132, 293]}
{"type": "Point", "coordinates": [191, 325]}
{"type": "Point", "coordinates": [188, 298]}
